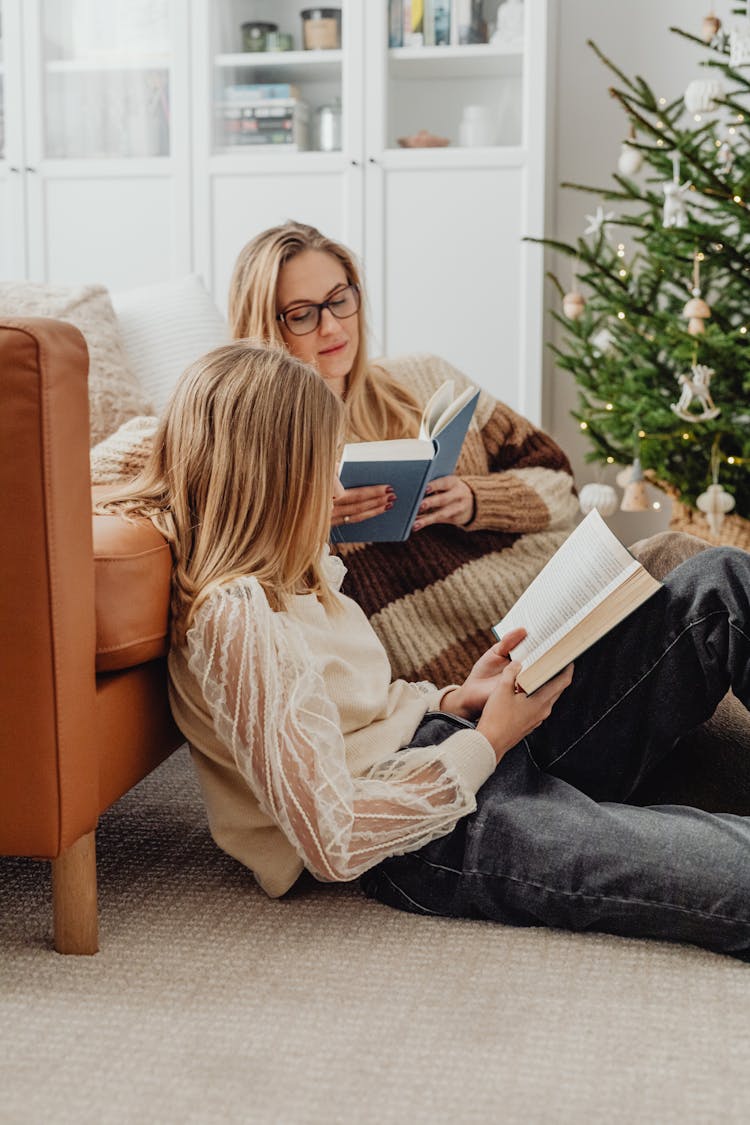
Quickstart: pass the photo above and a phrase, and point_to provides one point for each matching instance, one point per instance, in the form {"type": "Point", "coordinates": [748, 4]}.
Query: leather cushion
{"type": "Point", "coordinates": [132, 571]}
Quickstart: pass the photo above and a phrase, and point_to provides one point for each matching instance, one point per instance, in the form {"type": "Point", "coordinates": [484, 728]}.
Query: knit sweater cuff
{"type": "Point", "coordinates": [470, 755]}
{"type": "Point", "coordinates": [502, 502]}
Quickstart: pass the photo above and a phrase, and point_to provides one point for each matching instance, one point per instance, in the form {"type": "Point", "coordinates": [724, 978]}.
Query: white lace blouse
{"type": "Point", "coordinates": [296, 732]}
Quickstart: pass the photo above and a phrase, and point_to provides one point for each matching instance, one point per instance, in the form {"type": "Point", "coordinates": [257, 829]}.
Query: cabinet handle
{"type": "Point", "coordinates": [371, 160]}
{"type": "Point", "coordinates": [13, 168]}
{"type": "Point", "coordinates": [28, 168]}
{"type": "Point", "coordinates": [354, 163]}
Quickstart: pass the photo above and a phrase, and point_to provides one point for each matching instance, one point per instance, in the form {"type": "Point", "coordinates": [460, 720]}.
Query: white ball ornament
{"type": "Point", "coordinates": [573, 305]}
{"type": "Point", "coordinates": [701, 95]}
{"type": "Point", "coordinates": [601, 497]}
{"type": "Point", "coordinates": [629, 161]}
{"type": "Point", "coordinates": [715, 502]}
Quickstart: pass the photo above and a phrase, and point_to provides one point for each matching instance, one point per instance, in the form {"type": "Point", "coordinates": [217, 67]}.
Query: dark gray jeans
{"type": "Point", "coordinates": [553, 841]}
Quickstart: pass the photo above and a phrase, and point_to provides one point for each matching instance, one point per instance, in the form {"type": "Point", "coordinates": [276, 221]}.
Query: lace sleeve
{"type": "Point", "coordinates": [270, 708]}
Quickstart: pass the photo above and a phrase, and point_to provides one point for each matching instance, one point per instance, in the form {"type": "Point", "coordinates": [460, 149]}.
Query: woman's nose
{"type": "Point", "coordinates": [327, 321]}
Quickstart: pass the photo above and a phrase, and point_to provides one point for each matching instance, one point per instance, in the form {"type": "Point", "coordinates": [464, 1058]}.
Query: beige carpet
{"type": "Point", "coordinates": [209, 1003]}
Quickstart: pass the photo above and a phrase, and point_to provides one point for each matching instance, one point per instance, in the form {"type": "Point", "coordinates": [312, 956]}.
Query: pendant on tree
{"type": "Point", "coordinates": [701, 95]}
{"type": "Point", "coordinates": [600, 496]}
{"type": "Point", "coordinates": [696, 308]}
{"type": "Point", "coordinates": [630, 159]}
{"type": "Point", "coordinates": [739, 44]}
{"type": "Point", "coordinates": [695, 389]}
{"type": "Point", "coordinates": [711, 27]}
{"type": "Point", "coordinates": [715, 502]}
{"type": "Point", "coordinates": [635, 496]}
{"type": "Point", "coordinates": [573, 304]}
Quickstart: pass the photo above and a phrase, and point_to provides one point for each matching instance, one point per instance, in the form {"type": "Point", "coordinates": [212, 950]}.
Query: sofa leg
{"type": "Point", "coordinates": [74, 909]}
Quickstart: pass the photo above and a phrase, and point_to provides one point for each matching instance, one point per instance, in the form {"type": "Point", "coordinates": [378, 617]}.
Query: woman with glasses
{"type": "Point", "coordinates": [473, 801]}
{"type": "Point", "coordinates": [482, 534]}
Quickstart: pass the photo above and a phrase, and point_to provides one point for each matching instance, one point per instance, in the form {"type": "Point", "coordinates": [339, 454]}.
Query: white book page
{"type": "Point", "coordinates": [590, 563]}
{"type": "Point", "coordinates": [399, 449]}
{"type": "Point", "coordinates": [435, 407]}
{"type": "Point", "coordinates": [452, 410]}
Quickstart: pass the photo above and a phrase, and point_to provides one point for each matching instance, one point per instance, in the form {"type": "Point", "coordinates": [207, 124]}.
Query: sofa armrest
{"type": "Point", "coordinates": [48, 752]}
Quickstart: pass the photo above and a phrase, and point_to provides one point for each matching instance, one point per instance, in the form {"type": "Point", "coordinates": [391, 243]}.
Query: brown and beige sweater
{"type": "Point", "coordinates": [433, 598]}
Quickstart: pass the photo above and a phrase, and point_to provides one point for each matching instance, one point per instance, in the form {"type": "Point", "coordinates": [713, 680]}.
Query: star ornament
{"type": "Point", "coordinates": [598, 221]}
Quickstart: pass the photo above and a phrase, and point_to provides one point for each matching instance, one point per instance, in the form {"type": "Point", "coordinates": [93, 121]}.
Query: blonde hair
{"type": "Point", "coordinates": [377, 405]}
{"type": "Point", "coordinates": [240, 477]}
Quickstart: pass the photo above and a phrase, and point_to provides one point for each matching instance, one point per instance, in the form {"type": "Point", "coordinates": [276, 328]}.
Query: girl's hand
{"type": "Point", "coordinates": [509, 715]}
{"type": "Point", "coordinates": [357, 504]}
{"type": "Point", "coordinates": [447, 500]}
{"type": "Point", "coordinates": [469, 700]}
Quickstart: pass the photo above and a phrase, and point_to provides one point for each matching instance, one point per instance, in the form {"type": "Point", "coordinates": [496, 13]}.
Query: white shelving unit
{"type": "Point", "coordinates": [439, 230]}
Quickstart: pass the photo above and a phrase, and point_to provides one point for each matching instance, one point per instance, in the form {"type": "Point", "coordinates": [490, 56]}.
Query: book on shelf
{"type": "Point", "coordinates": [590, 584]}
{"type": "Point", "coordinates": [407, 464]}
{"type": "Point", "coordinates": [260, 91]}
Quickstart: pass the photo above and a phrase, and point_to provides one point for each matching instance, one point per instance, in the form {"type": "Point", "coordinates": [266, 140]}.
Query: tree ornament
{"type": "Point", "coordinates": [635, 496]}
{"type": "Point", "coordinates": [739, 44]}
{"type": "Point", "coordinates": [696, 308]}
{"type": "Point", "coordinates": [602, 341]}
{"type": "Point", "coordinates": [598, 222]}
{"type": "Point", "coordinates": [715, 502]}
{"type": "Point", "coordinates": [624, 475]}
{"type": "Point", "coordinates": [600, 496]}
{"type": "Point", "coordinates": [701, 95]}
{"type": "Point", "coordinates": [675, 206]}
{"type": "Point", "coordinates": [695, 388]}
{"type": "Point", "coordinates": [630, 159]}
{"type": "Point", "coordinates": [711, 27]}
{"type": "Point", "coordinates": [574, 304]}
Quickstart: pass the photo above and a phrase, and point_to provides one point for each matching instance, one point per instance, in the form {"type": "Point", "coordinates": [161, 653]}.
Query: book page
{"type": "Point", "coordinates": [396, 449]}
{"type": "Point", "coordinates": [435, 407]}
{"type": "Point", "coordinates": [452, 409]}
{"type": "Point", "coordinates": [587, 567]}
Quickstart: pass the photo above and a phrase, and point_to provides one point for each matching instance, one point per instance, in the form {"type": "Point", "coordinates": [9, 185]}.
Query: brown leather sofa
{"type": "Point", "coordinates": [84, 713]}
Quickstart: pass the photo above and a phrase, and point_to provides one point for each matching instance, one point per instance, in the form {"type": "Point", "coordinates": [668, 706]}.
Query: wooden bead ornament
{"type": "Point", "coordinates": [635, 497]}
{"type": "Point", "coordinates": [599, 496]}
{"type": "Point", "coordinates": [573, 305]}
{"type": "Point", "coordinates": [711, 27]}
{"type": "Point", "coordinates": [696, 308]}
{"type": "Point", "coordinates": [715, 502]}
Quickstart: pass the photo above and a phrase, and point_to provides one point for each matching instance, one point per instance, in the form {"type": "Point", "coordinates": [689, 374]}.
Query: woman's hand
{"type": "Point", "coordinates": [509, 715]}
{"type": "Point", "coordinates": [447, 500]}
{"type": "Point", "coordinates": [468, 700]}
{"type": "Point", "coordinates": [357, 504]}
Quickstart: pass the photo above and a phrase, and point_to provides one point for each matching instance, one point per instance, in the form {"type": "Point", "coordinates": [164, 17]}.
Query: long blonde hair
{"type": "Point", "coordinates": [377, 405]}
{"type": "Point", "coordinates": [240, 477]}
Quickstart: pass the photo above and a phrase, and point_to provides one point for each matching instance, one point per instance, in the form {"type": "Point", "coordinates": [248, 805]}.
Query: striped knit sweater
{"type": "Point", "coordinates": [433, 598]}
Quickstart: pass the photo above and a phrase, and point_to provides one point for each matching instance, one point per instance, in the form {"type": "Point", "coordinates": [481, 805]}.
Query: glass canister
{"type": "Point", "coordinates": [255, 33]}
{"type": "Point", "coordinates": [328, 128]}
{"type": "Point", "coordinates": [321, 29]}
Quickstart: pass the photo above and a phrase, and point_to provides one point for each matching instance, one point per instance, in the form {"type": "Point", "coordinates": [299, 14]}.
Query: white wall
{"type": "Point", "coordinates": [588, 129]}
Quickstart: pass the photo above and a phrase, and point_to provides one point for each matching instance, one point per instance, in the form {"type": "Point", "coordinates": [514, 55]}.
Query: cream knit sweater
{"type": "Point", "coordinates": [296, 731]}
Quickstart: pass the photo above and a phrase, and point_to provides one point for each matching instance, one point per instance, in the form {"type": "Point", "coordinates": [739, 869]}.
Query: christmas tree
{"type": "Point", "coordinates": [657, 320]}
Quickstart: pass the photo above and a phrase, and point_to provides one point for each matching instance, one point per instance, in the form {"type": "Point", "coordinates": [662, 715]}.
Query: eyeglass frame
{"type": "Point", "coordinates": [319, 306]}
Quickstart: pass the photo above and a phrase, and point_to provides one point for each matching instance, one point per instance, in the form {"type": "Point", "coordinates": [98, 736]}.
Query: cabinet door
{"type": "Point", "coordinates": [446, 212]}
{"type": "Point", "coordinates": [106, 97]}
{"type": "Point", "coordinates": [277, 126]}
{"type": "Point", "coordinates": [12, 197]}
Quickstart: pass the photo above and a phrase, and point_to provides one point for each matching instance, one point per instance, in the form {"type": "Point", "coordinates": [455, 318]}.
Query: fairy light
{"type": "Point", "coordinates": [743, 330]}
{"type": "Point", "coordinates": [701, 256]}
{"type": "Point", "coordinates": [686, 437]}
{"type": "Point", "coordinates": [621, 315]}
{"type": "Point", "coordinates": [697, 117]}
{"type": "Point", "coordinates": [610, 460]}
{"type": "Point", "coordinates": [609, 406]}
{"type": "Point", "coordinates": [731, 130]}
{"type": "Point", "coordinates": [659, 124]}
{"type": "Point", "coordinates": [623, 273]}
{"type": "Point", "coordinates": [641, 433]}
{"type": "Point", "coordinates": [620, 249]}
{"type": "Point", "coordinates": [656, 506]}
{"type": "Point", "coordinates": [660, 142]}
{"type": "Point", "coordinates": [584, 425]}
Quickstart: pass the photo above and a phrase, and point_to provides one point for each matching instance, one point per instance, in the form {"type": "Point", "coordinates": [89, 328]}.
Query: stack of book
{"type": "Point", "coordinates": [263, 113]}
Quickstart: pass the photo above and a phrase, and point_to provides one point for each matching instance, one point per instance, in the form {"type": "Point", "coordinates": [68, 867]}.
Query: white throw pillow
{"type": "Point", "coordinates": [114, 392]}
{"type": "Point", "coordinates": [165, 328]}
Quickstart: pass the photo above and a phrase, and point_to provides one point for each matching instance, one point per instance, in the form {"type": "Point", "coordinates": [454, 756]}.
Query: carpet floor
{"type": "Point", "coordinates": [210, 1003]}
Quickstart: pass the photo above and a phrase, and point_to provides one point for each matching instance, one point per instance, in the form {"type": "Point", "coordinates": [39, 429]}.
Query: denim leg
{"type": "Point", "coordinates": [549, 846]}
{"type": "Point", "coordinates": [653, 678]}
{"type": "Point", "coordinates": [538, 852]}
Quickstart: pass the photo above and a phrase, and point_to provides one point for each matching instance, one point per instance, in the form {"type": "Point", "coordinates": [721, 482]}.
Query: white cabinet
{"type": "Point", "coordinates": [95, 174]}
{"type": "Point", "coordinates": [129, 154]}
{"type": "Point", "coordinates": [439, 229]}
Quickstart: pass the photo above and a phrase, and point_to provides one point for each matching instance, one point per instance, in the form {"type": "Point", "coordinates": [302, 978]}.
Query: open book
{"type": "Point", "coordinates": [588, 586]}
{"type": "Point", "coordinates": [407, 464]}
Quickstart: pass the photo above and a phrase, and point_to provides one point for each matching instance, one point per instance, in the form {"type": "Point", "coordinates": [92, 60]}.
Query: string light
{"type": "Point", "coordinates": [621, 315]}
{"type": "Point", "coordinates": [610, 460]}
{"type": "Point", "coordinates": [656, 506]}
{"type": "Point", "coordinates": [743, 330]}
{"type": "Point", "coordinates": [584, 425]}
{"type": "Point", "coordinates": [609, 406]}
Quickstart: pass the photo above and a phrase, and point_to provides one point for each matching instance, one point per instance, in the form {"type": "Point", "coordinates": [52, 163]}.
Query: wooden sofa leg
{"type": "Point", "coordinates": [74, 909]}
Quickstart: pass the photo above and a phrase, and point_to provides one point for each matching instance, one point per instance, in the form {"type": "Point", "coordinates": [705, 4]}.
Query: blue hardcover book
{"type": "Point", "coordinates": [407, 465]}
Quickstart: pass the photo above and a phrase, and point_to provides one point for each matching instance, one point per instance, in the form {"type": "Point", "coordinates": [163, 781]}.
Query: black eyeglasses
{"type": "Point", "coordinates": [301, 319]}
